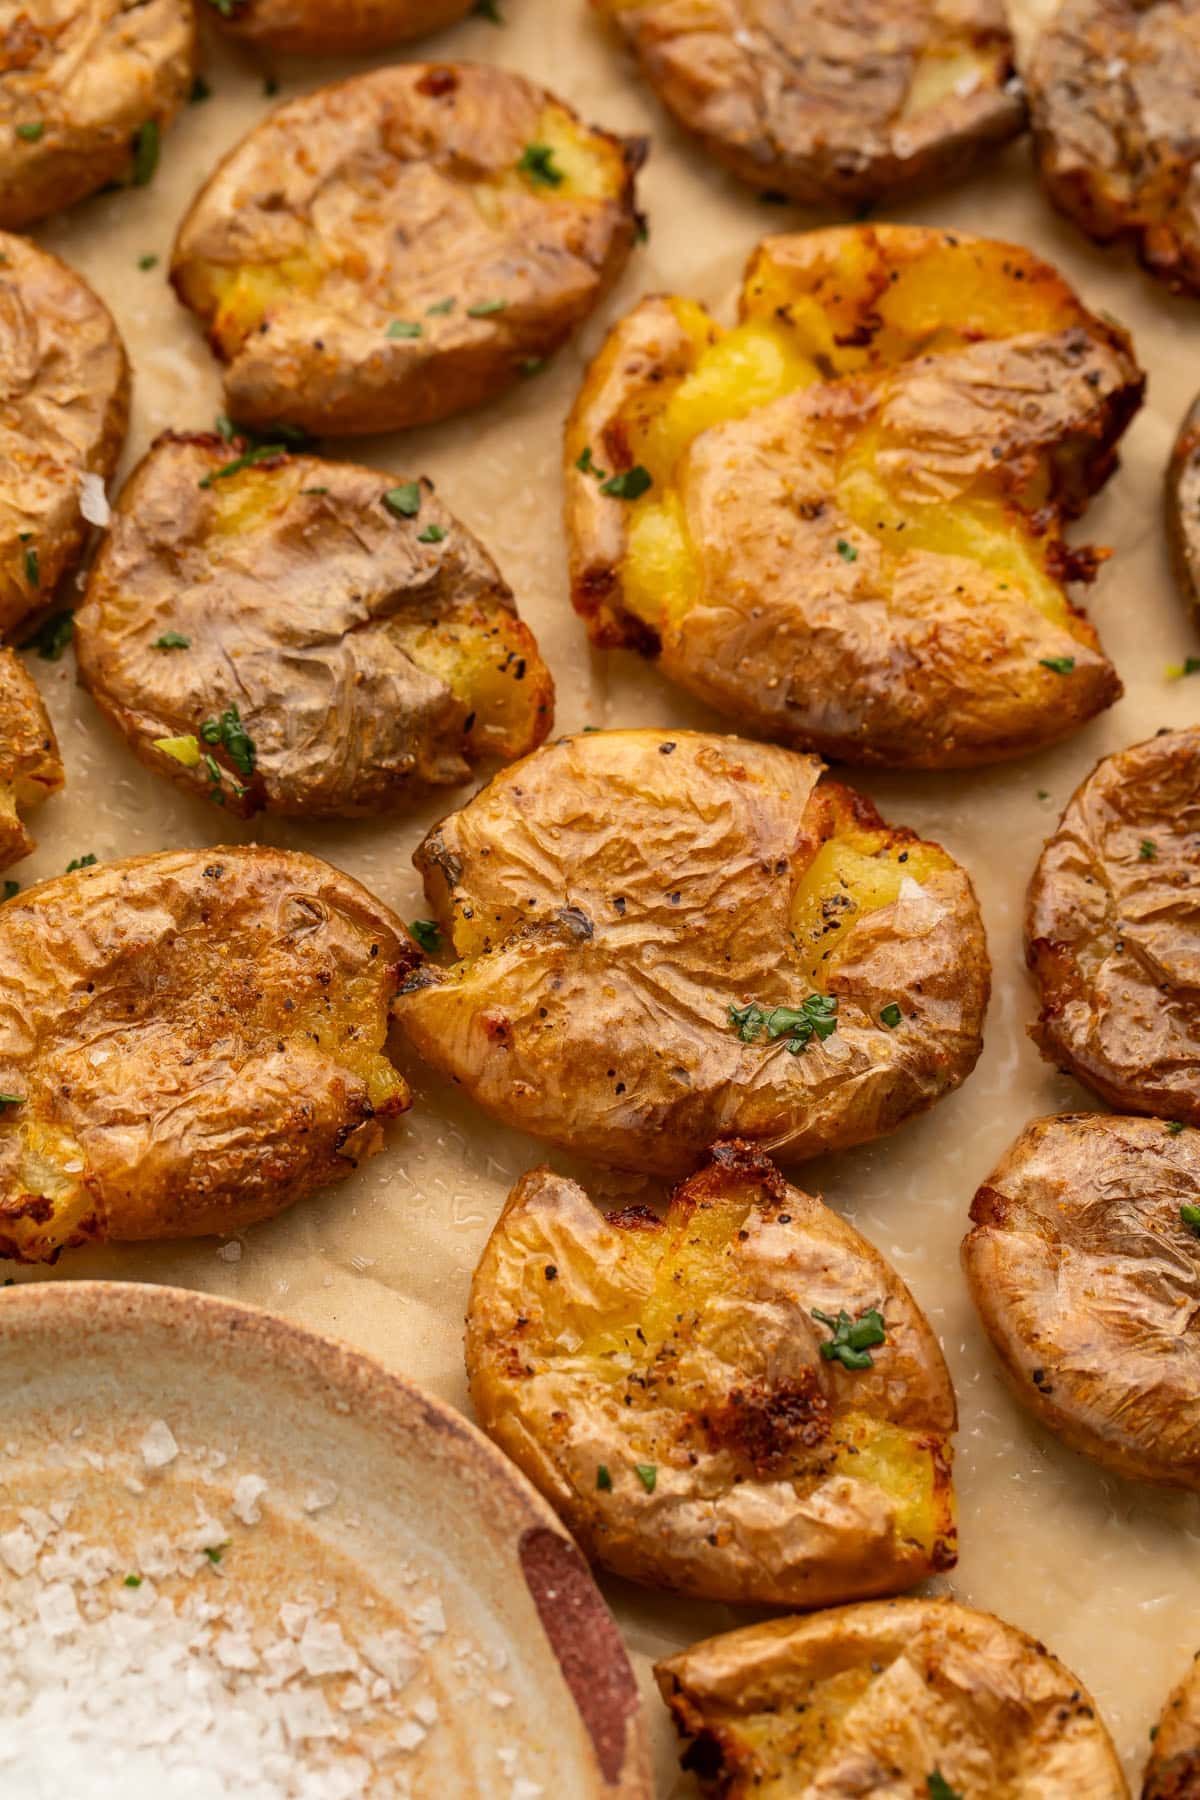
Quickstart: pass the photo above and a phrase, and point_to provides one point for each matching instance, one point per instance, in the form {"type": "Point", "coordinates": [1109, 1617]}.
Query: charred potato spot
{"type": "Point", "coordinates": [191, 1042]}
{"type": "Point", "coordinates": [627, 910]}
{"type": "Point", "coordinates": [81, 81]}
{"type": "Point", "coordinates": [30, 765]}
{"type": "Point", "coordinates": [877, 1698]}
{"type": "Point", "coordinates": [462, 203]}
{"type": "Point", "coordinates": [1173, 1772]}
{"type": "Point", "coordinates": [667, 1391]}
{"type": "Point", "coordinates": [851, 532]}
{"type": "Point", "coordinates": [1182, 499]}
{"type": "Point", "coordinates": [1111, 92]}
{"type": "Point", "coordinates": [1112, 923]}
{"type": "Point", "coordinates": [1086, 1275]}
{"type": "Point", "coordinates": [851, 100]}
{"type": "Point", "coordinates": [313, 28]}
{"type": "Point", "coordinates": [64, 406]}
{"type": "Point", "coordinates": [371, 650]}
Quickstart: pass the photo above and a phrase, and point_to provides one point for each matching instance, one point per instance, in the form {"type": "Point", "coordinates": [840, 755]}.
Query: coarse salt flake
{"type": "Point", "coordinates": [93, 501]}
{"type": "Point", "coordinates": [158, 1446]}
{"type": "Point", "coordinates": [248, 1490]}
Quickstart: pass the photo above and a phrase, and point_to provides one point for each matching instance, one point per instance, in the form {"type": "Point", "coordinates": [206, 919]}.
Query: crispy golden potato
{"type": "Point", "coordinates": [1112, 95]}
{"type": "Point", "coordinates": [64, 407]}
{"type": "Point", "coordinates": [189, 1042]}
{"type": "Point", "coordinates": [30, 765]}
{"type": "Point", "coordinates": [1112, 930]}
{"type": "Point", "coordinates": [898, 1699]}
{"type": "Point", "coordinates": [1182, 497]}
{"type": "Point", "coordinates": [741, 1400]}
{"type": "Point", "coordinates": [86, 89]}
{"type": "Point", "coordinates": [305, 637]}
{"type": "Point", "coordinates": [1173, 1772]}
{"type": "Point", "coordinates": [663, 939]}
{"type": "Point", "coordinates": [833, 103]}
{"type": "Point", "coordinates": [1085, 1271]}
{"type": "Point", "coordinates": [840, 522]}
{"type": "Point", "coordinates": [395, 248]}
{"type": "Point", "coordinates": [316, 28]}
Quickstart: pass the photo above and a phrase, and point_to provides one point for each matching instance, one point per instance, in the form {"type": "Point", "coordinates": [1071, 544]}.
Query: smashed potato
{"type": "Point", "coordinates": [1112, 929]}
{"type": "Point", "coordinates": [1112, 95]}
{"type": "Point", "coordinates": [1182, 496]}
{"type": "Point", "coordinates": [900, 1699]}
{"type": "Point", "coordinates": [663, 939]}
{"type": "Point", "coordinates": [1173, 1772]}
{"type": "Point", "coordinates": [30, 765]}
{"type": "Point", "coordinates": [840, 522]}
{"type": "Point", "coordinates": [315, 28]}
{"type": "Point", "coordinates": [397, 247]}
{"type": "Point", "coordinates": [1084, 1264]}
{"type": "Point", "coordinates": [64, 407]}
{"type": "Point", "coordinates": [86, 89]}
{"type": "Point", "coordinates": [841, 102]}
{"type": "Point", "coordinates": [305, 637]}
{"type": "Point", "coordinates": [741, 1400]}
{"type": "Point", "coordinates": [189, 1042]}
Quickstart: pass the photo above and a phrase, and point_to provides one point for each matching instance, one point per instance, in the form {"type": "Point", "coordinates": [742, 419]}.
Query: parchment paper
{"type": "Point", "coordinates": [1107, 1574]}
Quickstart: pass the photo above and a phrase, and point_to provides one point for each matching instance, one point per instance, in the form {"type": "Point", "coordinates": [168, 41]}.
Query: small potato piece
{"type": "Point", "coordinates": [30, 765]}
{"type": "Point", "coordinates": [370, 650]}
{"type": "Point", "coordinates": [1182, 496]}
{"type": "Point", "coordinates": [315, 28]}
{"type": "Point", "coordinates": [86, 88]}
{"type": "Point", "coordinates": [1173, 1772]}
{"type": "Point", "coordinates": [840, 522]}
{"type": "Point", "coordinates": [657, 935]}
{"type": "Point", "coordinates": [64, 407]}
{"type": "Point", "coordinates": [189, 1042]}
{"type": "Point", "coordinates": [1112, 92]}
{"type": "Point", "coordinates": [838, 101]}
{"type": "Point", "coordinates": [883, 1700]}
{"type": "Point", "coordinates": [1087, 1279]}
{"type": "Point", "coordinates": [1112, 930]}
{"type": "Point", "coordinates": [397, 247]}
{"type": "Point", "coordinates": [663, 1383]}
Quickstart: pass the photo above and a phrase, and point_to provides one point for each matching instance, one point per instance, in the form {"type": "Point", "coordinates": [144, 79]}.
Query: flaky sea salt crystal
{"type": "Point", "coordinates": [319, 1496]}
{"type": "Point", "coordinates": [324, 1651]}
{"type": "Point", "coordinates": [392, 1655]}
{"type": "Point", "coordinates": [158, 1446]}
{"type": "Point", "coordinates": [409, 1736]}
{"type": "Point", "coordinates": [93, 501]}
{"type": "Point", "coordinates": [248, 1490]}
{"type": "Point", "coordinates": [19, 1550]}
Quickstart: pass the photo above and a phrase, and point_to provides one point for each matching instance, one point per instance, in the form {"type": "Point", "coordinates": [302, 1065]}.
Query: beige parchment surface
{"type": "Point", "coordinates": [1106, 1573]}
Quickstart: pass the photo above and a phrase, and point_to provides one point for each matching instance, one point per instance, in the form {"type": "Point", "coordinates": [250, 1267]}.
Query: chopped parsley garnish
{"type": "Point", "coordinates": [537, 161]}
{"type": "Point", "coordinates": [585, 465]}
{"type": "Point", "coordinates": [1043, 793]}
{"type": "Point", "coordinates": [647, 1474]}
{"type": "Point", "coordinates": [32, 569]}
{"type": "Point", "coordinates": [212, 768]}
{"type": "Point", "coordinates": [52, 636]}
{"type": "Point", "coordinates": [1175, 1127]}
{"type": "Point", "coordinates": [533, 365]}
{"type": "Point", "coordinates": [483, 309]}
{"type": "Point", "coordinates": [146, 144]}
{"type": "Point", "coordinates": [814, 1017]}
{"type": "Point", "coordinates": [630, 484]}
{"type": "Point", "coordinates": [149, 261]}
{"type": "Point", "coordinates": [1148, 850]}
{"type": "Point", "coordinates": [133, 1581]}
{"type": "Point", "coordinates": [270, 86]}
{"type": "Point", "coordinates": [81, 862]}
{"type": "Point", "coordinates": [231, 734]}
{"type": "Point", "coordinates": [1189, 666]}
{"type": "Point", "coordinates": [439, 308]}
{"type": "Point", "coordinates": [200, 91]}
{"type": "Point", "coordinates": [10, 890]}
{"type": "Point", "coordinates": [603, 1479]}
{"type": "Point", "coordinates": [404, 501]}
{"type": "Point", "coordinates": [1062, 665]}
{"type": "Point", "coordinates": [247, 460]}
{"type": "Point", "coordinates": [939, 1788]}
{"type": "Point", "coordinates": [32, 131]}
{"type": "Point", "coordinates": [1190, 1216]}
{"type": "Point", "coordinates": [890, 1015]}
{"type": "Point", "coordinates": [213, 1551]}
{"type": "Point", "coordinates": [852, 1338]}
{"type": "Point", "coordinates": [427, 933]}
{"type": "Point", "coordinates": [317, 490]}
{"type": "Point", "coordinates": [12, 1099]}
{"type": "Point", "coordinates": [405, 328]}
{"type": "Point", "coordinates": [172, 640]}
{"type": "Point", "coordinates": [846, 551]}
{"type": "Point", "coordinates": [488, 9]}
{"type": "Point", "coordinates": [432, 534]}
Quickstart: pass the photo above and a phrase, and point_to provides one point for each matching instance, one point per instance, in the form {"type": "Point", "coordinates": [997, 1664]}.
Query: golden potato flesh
{"type": "Point", "coordinates": [897, 1699]}
{"type": "Point", "coordinates": [662, 939]}
{"type": "Point", "coordinates": [1084, 1264]}
{"type": "Point", "coordinates": [691, 1393]}
{"type": "Point", "coordinates": [365, 641]}
{"type": "Point", "coordinates": [1113, 930]}
{"type": "Point", "coordinates": [397, 247]}
{"type": "Point", "coordinates": [838, 101]}
{"type": "Point", "coordinates": [1173, 1772]}
{"type": "Point", "coordinates": [840, 522]}
{"type": "Point", "coordinates": [86, 88]}
{"type": "Point", "coordinates": [64, 406]}
{"type": "Point", "coordinates": [189, 1042]}
{"type": "Point", "coordinates": [30, 765]}
{"type": "Point", "coordinates": [1112, 94]}
{"type": "Point", "coordinates": [1182, 497]}
{"type": "Point", "coordinates": [317, 28]}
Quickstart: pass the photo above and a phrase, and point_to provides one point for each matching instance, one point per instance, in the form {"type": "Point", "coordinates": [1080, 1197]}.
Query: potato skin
{"type": "Point", "coordinates": [312, 28]}
{"type": "Point", "coordinates": [1086, 1280]}
{"type": "Point", "coordinates": [364, 202]}
{"type": "Point", "coordinates": [759, 1446]}
{"type": "Point", "coordinates": [1110, 930]}
{"type": "Point", "coordinates": [1181, 497]}
{"type": "Point", "coordinates": [92, 74]}
{"type": "Point", "coordinates": [612, 897]}
{"type": "Point", "coordinates": [818, 105]}
{"type": "Point", "coordinates": [64, 368]}
{"type": "Point", "coordinates": [1112, 88]}
{"type": "Point", "coordinates": [30, 765]}
{"type": "Point", "coordinates": [792, 610]}
{"type": "Point", "coordinates": [872, 1699]}
{"type": "Point", "coordinates": [196, 1038]}
{"type": "Point", "coordinates": [1173, 1772]}
{"type": "Point", "coordinates": [308, 602]}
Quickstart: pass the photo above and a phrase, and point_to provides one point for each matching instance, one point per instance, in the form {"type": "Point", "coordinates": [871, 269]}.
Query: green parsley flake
{"type": "Point", "coordinates": [533, 365]}
{"type": "Point", "coordinates": [647, 1474]}
{"type": "Point", "coordinates": [814, 1017]}
{"type": "Point", "coordinates": [890, 1015]}
{"type": "Point", "coordinates": [133, 1581]}
{"type": "Point", "coordinates": [172, 640]}
{"type": "Point", "coordinates": [939, 1788]}
{"type": "Point", "coordinates": [32, 571]}
{"type": "Point", "coordinates": [1190, 1216]}
{"type": "Point", "coordinates": [440, 308]}
{"type": "Point", "coordinates": [229, 732]}
{"type": "Point", "coordinates": [317, 490]}
{"type": "Point", "coordinates": [200, 91]}
{"type": "Point", "coordinates": [1175, 1127]}
{"type": "Point", "coordinates": [10, 890]}
{"type": "Point", "coordinates": [852, 1338]}
{"type": "Point", "coordinates": [261, 453]}
{"type": "Point", "coordinates": [12, 1099]}
{"type": "Point", "coordinates": [224, 7]}
{"type": "Point", "coordinates": [483, 309]}
{"type": "Point", "coordinates": [146, 145]}
{"type": "Point", "coordinates": [432, 534]}
{"type": "Point", "coordinates": [1148, 850]}
{"type": "Point", "coordinates": [427, 933]}
{"type": "Point", "coordinates": [213, 1553]}
{"type": "Point", "coordinates": [603, 1479]}
{"type": "Point", "coordinates": [32, 131]}
{"type": "Point", "coordinates": [52, 636]}
{"type": "Point", "coordinates": [846, 551]}
{"type": "Point", "coordinates": [1061, 665]}
{"type": "Point", "coordinates": [81, 862]}
{"type": "Point", "coordinates": [404, 501]}
{"type": "Point", "coordinates": [405, 328]}
{"type": "Point", "coordinates": [537, 161]}
{"type": "Point", "coordinates": [1189, 666]}
{"type": "Point", "coordinates": [149, 261]}
{"type": "Point", "coordinates": [487, 9]}
{"type": "Point", "coordinates": [585, 465]}
{"type": "Point", "coordinates": [630, 484]}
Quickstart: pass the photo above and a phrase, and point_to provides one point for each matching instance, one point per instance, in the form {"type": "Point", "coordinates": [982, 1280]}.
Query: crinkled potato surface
{"type": "Point", "coordinates": [1173, 1772]}
{"type": "Point", "coordinates": [30, 764]}
{"type": "Point", "coordinates": [316, 27]}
